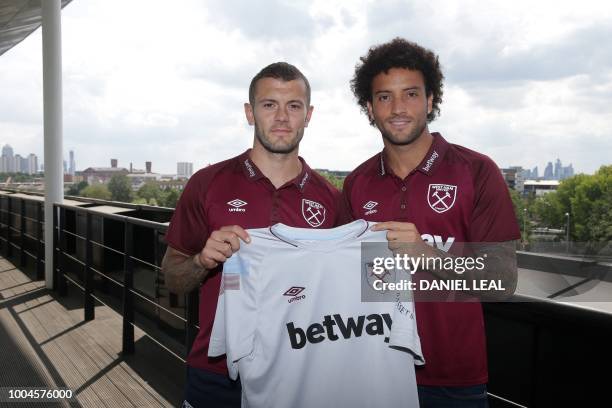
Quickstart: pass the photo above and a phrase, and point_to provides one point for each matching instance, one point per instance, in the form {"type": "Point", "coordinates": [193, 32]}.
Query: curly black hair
{"type": "Point", "coordinates": [398, 53]}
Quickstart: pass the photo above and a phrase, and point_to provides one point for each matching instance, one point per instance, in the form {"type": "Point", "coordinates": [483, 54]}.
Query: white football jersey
{"type": "Point", "coordinates": [291, 320]}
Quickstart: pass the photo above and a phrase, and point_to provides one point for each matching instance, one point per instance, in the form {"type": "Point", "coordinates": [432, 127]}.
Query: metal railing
{"type": "Point", "coordinates": [113, 259]}
{"type": "Point", "coordinates": [541, 352]}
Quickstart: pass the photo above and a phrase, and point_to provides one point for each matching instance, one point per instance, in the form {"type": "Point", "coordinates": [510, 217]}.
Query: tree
{"type": "Point", "coordinates": [335, 181]}
{"type": "Point", "coordinates": [120, 188]}
{"type": "Point", "coordinates": [171, 199]}
{"type": "Point", "coordinates": [151, 192]}
{"type": "Point", "coordinates": [76, 189]}
{"type": "Point", "coordinates": [96, 191]}
{"type": "Point", "coordinates": [588, 201]}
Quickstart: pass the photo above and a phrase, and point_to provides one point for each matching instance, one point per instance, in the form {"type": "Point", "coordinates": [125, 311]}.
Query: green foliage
{"type": "Point", "coordinates": [588, 201]}
{"type": "Point", "coordinates": [150, 192]}
{"type": "Point", "coordinates": [521, 210]}
{"type": "Point", "coordinates": [336, 181]}
{"type": "Point", "coordinates": [120, 188]}
{"type": "Point", "coordinates": [76, 189]}
{"type": "Point", "coordinates": [99, 191]}
{"type": "Point", "coordinates": [171, 198]}
{"type": "Point", "coordinates": [17, 177]}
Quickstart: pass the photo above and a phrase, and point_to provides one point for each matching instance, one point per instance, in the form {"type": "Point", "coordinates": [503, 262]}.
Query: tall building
{"type": "Point", "coordinates": [7, 164]}
{"type": "Point", "coordinates": [548, 172]}
{"type": "Point", "coordinates": [534, 173]}
{"type": "Point", "coordinates": [32, 161]}
{"type": "Point", "coordinates": [114, 163]}
{"type": "Point", "coordinates": [558, 170]}
{"type": "Point", "coordinates": [148, 166]}
{"type": "Point", "coordinates": [71, 164]}
{"type": "Point", "coordinates": [568, 171]}
{"type": "Point", "coordinates": [184, 169]}
{"type": "Point", "coordinates": [18, 160]}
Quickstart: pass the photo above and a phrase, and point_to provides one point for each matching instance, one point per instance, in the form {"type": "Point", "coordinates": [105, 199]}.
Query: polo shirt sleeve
{"type": "Point", "coordinates": [189, 230]}
{"type": "Point", "coordinates": [493, 217]}
{"type": "Point", "coordinates": [345, 210]}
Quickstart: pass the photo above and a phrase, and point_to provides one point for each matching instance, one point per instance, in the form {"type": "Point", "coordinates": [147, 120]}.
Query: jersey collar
{"type": "Point", "coordinates": [430, 162]}
{"type": "Point", "coordinates": [252, 172]}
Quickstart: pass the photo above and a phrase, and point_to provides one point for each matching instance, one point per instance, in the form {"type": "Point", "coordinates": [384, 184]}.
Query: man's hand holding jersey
{"type": "Point", "coordinates": [221, 245]}
{"type": "Point", "coordinates": [500, 258]}
{"type": "Point", "coordinates": [184, 273]}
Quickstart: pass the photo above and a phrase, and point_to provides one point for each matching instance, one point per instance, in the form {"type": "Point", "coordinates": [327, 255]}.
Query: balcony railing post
{"type": "Point", "coordinates": [40, 245]}
{"type": "Point", "coordinates": [88, 307]}
{"type": "Point", "coordinates": [128, 298]}
{"type": "Point", "coordinates": [191, 309]}
{"type": "Point", "coordinates": [22, 254]}
{"type": "Point", "coordinates": [61, 284]}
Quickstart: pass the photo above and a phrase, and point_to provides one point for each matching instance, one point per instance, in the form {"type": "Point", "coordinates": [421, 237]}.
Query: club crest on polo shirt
{"type": "Point", "coordinates": [313, 212]}
{"type": "Point", "coordinates": [441, 197]}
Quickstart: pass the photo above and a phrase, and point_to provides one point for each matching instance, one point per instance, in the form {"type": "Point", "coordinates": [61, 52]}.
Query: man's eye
{"type": "Point", "coordinates": [295, 106]}
{"type": "Point", "coordinates": [413, 94]}
{"type": "Point", "coordinates": [384, 98]}
{"type": "Point", "coordinates": [268, 105]}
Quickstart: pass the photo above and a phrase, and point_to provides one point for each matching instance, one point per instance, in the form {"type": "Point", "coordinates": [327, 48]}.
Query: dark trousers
{"type": "Point", "coordinates": [205, 389]}
{"type": "Point", "coordinates": [453, 397]}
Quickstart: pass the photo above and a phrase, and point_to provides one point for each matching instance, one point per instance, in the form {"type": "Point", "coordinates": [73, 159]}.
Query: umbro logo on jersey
{"type": "Point", "coordinates": [236, 205]}
{"type": "Point", "coordinates": [335, 326]}
{"type": "Point", "coordinates": [313, 212]}
{"type": "Point", "coordinates": [369, 207]}
{"type": "Point", "coordinates": [294, 292]}
{"type": "Point", "coordinates": [441, 197]}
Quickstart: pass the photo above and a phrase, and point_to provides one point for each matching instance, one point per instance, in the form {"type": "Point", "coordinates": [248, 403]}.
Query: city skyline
{"type": "Point", "coordinates": [122, 99]}
{"type": "Point", "coordinates": [184, 168]}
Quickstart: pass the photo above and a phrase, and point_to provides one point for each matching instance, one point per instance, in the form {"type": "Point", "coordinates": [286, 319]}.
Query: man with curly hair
{"type": "Point", "coordinates": [431, 196]}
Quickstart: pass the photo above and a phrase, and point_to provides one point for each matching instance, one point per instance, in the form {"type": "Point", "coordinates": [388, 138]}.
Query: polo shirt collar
{"type": "Point", "coordinates": [430, 162]}
{"type": "Point", "coordinates": [252, 172]}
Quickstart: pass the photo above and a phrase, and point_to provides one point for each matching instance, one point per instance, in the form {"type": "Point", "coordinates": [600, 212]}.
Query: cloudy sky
{"type": "Point", "coordinates": [526, 81]}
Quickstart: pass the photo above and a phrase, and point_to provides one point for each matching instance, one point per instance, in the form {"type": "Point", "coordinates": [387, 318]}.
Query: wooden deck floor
{"type": "Point", "coordinates": [44, 342]}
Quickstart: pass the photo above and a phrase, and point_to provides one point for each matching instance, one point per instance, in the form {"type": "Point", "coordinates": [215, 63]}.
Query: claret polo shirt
{"type": "Point", "coordinates": [454, 195]}
{"type": "Point", "coordinates": [235, 192]}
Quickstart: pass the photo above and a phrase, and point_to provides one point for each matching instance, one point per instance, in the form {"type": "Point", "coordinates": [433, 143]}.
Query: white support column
{"type": "Point", "coordinates": [52, 96]}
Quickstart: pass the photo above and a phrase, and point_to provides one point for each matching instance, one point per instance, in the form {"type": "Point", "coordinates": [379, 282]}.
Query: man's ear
{"type": "Point", "coordinates": [250, 116]}
{"type": "Point", "coordinates": [308, 115]}
{"type": "Point", "coordinates": [370, 114]}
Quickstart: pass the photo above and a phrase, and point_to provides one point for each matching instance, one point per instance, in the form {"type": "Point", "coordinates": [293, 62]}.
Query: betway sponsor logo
{"type": "Point", "coordinates": [438, 241]}
{"type": "Point", "coordinates": [334, 327]}
{"type": "Point", "coordinates": [430, 162]}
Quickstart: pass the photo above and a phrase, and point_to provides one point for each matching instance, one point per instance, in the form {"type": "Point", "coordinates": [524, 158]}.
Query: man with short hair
{"type": "Point", "coordinates": [425, 190]}
{"type": "Point", "coordinates": [265, 185]}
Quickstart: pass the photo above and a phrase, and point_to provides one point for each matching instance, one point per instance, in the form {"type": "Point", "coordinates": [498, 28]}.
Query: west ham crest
{"type": "Point", "coordinates": [441, 197]}
{"type": "Point", "coordinates": [387, 276]}
{"type": "Point", "coordinates": [313, 212]}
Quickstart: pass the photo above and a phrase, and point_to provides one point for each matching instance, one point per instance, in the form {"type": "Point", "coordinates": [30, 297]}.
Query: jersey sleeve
{"type": "Point", "coordinates": [188, 230]}
{"type": "Point", "coordinates": [235, 320]}
{"type": "Point", "coordinates": [493, 217]}
{"type": "Point", "coordinates": [404, 332]}
{"type": "Point", "coordinates": [345, 211]}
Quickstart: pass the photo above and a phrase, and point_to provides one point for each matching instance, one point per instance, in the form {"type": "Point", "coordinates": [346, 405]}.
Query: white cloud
{"type": "Point", "coordinates": [527, 82]}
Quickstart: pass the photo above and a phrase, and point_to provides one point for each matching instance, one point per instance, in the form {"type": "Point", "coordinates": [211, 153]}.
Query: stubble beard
{"type": "Point", "coordinates": [404, 141]}
{"type": "Point", "coordinates": [282, 149]}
